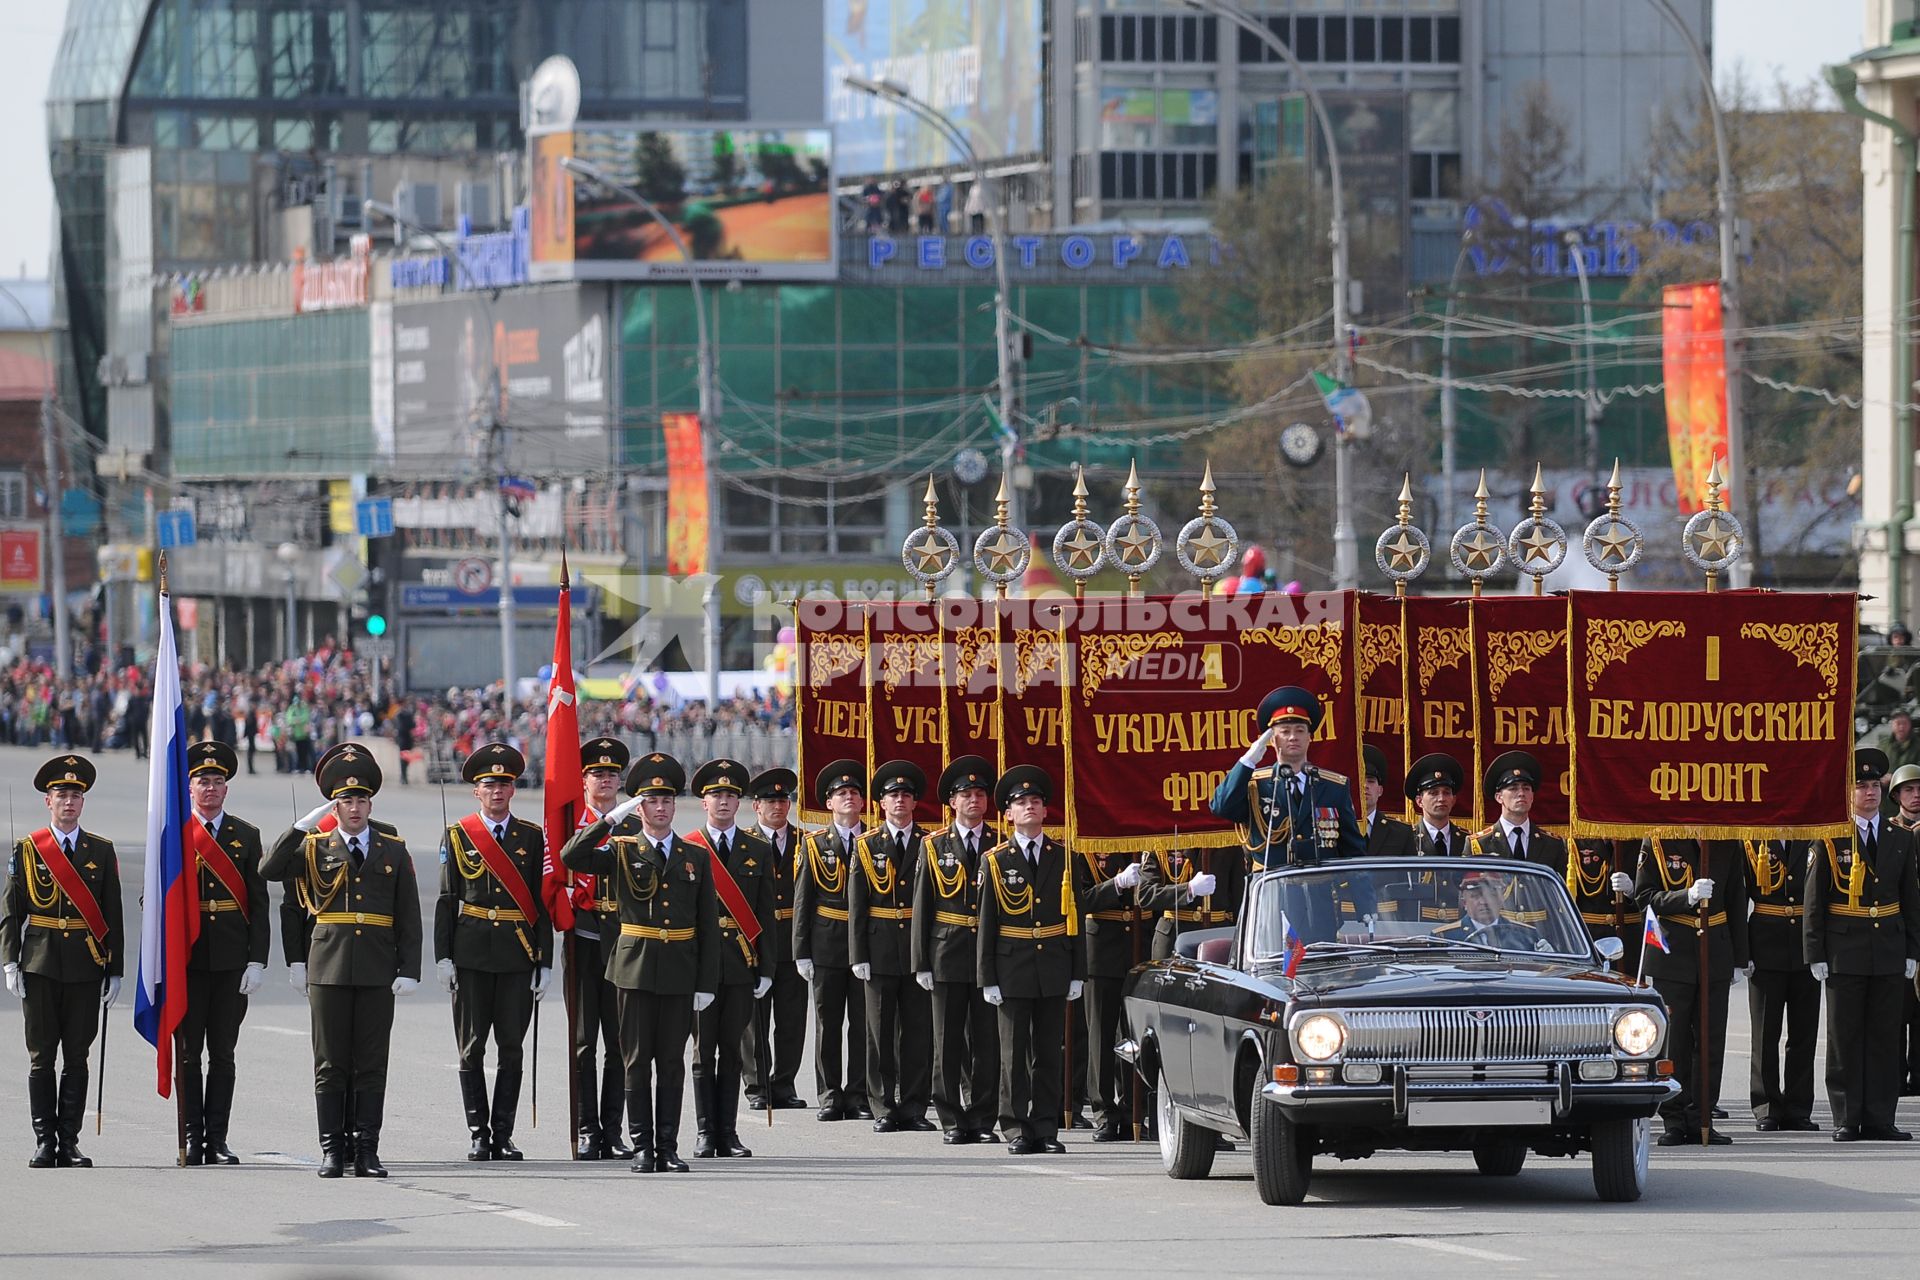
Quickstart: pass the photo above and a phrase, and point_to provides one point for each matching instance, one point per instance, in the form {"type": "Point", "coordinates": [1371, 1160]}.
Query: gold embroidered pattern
{"type": "Point", "coordinates": [1610, 640]}
{"type": "Point", "coordinates": [1103, 657]}
{"type": "Point", "coordinates": [1379, 647]}
{"type": "Point", "coordinates": [902, 658]}
{"type": "Point", "coordinates": [1034, 653]}
{"type": "Point", "coordinates": [1511, 652]}
{"type": "Point", "coordinates": [975, 649]}
{"type": "Point", "coordinates": [1440, 648]}
{"type": "Point", "coordinates": [1317, 644]}
{"type": "Point", "coordinates": [830, 657]}
{"type": "Point", "coordinates": [1812, 644]}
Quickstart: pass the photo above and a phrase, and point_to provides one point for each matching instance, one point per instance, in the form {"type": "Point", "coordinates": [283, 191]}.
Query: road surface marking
{"type": "Point", "coordinates": [1058, 1173]}
{"type": "Point", "coordinates": [1459, 1250]}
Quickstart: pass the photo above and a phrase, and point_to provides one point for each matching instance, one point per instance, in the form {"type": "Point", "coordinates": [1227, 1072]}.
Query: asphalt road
{"type": "Point", "coordinates": [835, 1198]}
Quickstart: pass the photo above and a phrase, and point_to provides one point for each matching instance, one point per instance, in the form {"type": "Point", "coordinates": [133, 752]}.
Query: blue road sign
{"type": "Point", "coordinates": [373, 518]}
{"type": "Point", "coordinates": [414, 595]}
{"type": "Point", "coordinates": [175, 528]}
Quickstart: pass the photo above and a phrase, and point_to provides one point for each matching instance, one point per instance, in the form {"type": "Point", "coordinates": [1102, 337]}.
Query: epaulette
{"type": "Point", "coordinates": [1328, 775]}
{"type": "Point", "coordinates": [1263, 772]}
{"type": "Point", "coordinates": [1486, 832]}
{"type": "Point", "coordinates": [997, 849]}
{"type": "Point", "coordinates": [936, 833]}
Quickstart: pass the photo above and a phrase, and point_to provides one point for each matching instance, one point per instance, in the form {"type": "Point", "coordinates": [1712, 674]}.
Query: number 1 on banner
{"type": "Point", "coordinates": [1713, 658]}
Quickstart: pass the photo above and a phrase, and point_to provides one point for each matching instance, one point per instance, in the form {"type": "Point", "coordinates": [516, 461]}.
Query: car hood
{"type": "Point", "coordinates": [1493, 980]}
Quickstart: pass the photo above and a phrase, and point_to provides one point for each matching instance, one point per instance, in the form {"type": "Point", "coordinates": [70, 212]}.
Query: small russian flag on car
{"type": "Point", "coordinates": [1295, 947]}
{"type": "Point", "coordinates": [1655, 935]}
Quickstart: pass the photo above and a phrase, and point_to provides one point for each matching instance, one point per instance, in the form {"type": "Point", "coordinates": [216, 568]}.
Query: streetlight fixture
{"type": "Point", "coordinates": [1577, 244]}
{"type": "Point", "coordinates": [897, 94]}
{"type": "Point", "coordinates": [289, 555]}
{"type": "Point", "coordinates": [1346, 551]}
{"type": "Point", "coordinates": [585, 171]}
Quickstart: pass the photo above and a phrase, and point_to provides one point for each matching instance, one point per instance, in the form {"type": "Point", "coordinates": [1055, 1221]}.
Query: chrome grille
{"type": "Point", "coordinates": [1468, 1035]}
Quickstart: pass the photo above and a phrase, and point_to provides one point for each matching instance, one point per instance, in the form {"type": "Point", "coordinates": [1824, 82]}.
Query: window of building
{"type": "Point", "coordinates": [1434, 176]}
{"type": "Point", "coordinates": [1366, 47]}
{"type": "Point", "coordinates": [13, 495]}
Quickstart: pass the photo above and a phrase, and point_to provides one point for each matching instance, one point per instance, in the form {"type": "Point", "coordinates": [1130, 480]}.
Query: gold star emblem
{"type": "Point", "coordinates": [930, 551]}
{"type": "Point", "coordinates": [1539, 545]}
{"type": "Point", "coordinates": [1135, 546]}
{"type": "Point", "coordinates": [1710, 542]}
{"type": "Point", "coordinates": [1207, 548]}
{"type": "Point", "coordinates": [1481, 551]}
{"type": "Point", "coordinates": [1403, 552]}
{"type": "Point", "coordinates": [1616, 544]}
{"type": "Point", "coordinates": [1003, 553]}
{"type": "Point", "coordinates": [1083, 549]}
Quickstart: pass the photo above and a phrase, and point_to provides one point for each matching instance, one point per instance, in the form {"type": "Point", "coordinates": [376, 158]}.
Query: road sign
{"type": "Point", "coordinates": [414, 595]}
{"type": "Point", "coordinates": [380, 647]}
{"type": "Point", "coordinates": [346, 572]}
{"type": "Point", "coordinates": [373, 518]}
{"type": "Point", "coordinates": [473, 575]}
{"type": "Point", "coordinates": [175, 528]}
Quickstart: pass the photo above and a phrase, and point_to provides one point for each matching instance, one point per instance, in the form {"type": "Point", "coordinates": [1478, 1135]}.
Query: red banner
{"type": "Point", "coordinates": [829, 691]}
{"type": "Point", "coordinates": [1438, 641]}
{"type": "Point", "coordinates": [1693, 359]}
{"type": "Point", "coordinates": [1520, 694]}
{"type": "Point", "coordinates": [688, 551]}
{"type": "Point", "coordinates": [1713, 716]}
{"type": "Point", "coordinates": [905, 697]}
{"type": "Point", "coordinates": [1031, 674]}
{"type": "Point", "coordinates": [1382, 671]}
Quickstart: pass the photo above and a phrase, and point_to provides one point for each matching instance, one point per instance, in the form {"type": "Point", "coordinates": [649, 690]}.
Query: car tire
{"type": "Point", "coordinates": [1499, 1158]}
{"type": "Point", "coordinates": [1186, 1149]}
{"type": "Point", "coordinates": [1620, 1152]}
{"type": "Point", "coordinates": [1282, 1153]}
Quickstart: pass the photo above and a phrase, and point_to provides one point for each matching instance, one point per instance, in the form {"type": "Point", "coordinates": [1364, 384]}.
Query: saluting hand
{"type": "Point", "coordinates": [624, 810]}
{"type": "Point", "coordinates": [312, 820]}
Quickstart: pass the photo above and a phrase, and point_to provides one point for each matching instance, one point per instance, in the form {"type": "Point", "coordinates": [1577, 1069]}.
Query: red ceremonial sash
{"type": "Point", "coordinates": [208, 850]}
{"type": "Point", "coordinates": [70, 883]}
{"type": "Point", "coordinates": [729, 891]}
{"type": "Point", "coordinates": [499, 864]}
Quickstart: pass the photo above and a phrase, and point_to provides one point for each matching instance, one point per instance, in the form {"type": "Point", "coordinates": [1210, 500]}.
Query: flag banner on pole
{"type": "Point", "coordinates": [1381, 668]}
{"type": "Point", "coordinates": [688, 549]}
{"type": "Point", "coordinates": [1439, 708]}
{"type": "Point", "coordinates": [829, 695]}
{"type": "Point", "coordinates": [1654, 935]}
{"type": "Point", "coordinates": [1351, 411]}
{"type": "Point", "coordinates": [563, 789]}
{"type": "Point", "coordinates": [170, 915]}
{"type": "Point", "coordinates": [1693, 360]}
{"type": "Point", "coordinates": [905, 702]}
{"type": "Point", "coordinates": [1520, 695]}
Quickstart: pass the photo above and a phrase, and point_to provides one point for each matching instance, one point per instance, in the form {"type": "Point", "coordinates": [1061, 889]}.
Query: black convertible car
{"type": "Point", "coordinates": [1417, 1004]}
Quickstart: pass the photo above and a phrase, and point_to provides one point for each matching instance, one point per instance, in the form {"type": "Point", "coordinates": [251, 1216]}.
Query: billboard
{"type": "Point", "coordinates": [535, 360]}
{"type": "Point", "coordinates": [975, 61]}
{"type": "Point", "coordinates": [750, 203]}
{"type": "Point", "coordinates": [20, 558]}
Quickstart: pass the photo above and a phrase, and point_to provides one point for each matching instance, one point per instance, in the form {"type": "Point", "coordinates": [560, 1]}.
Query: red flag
{"type": "Point", "coordinates": [565, 795]}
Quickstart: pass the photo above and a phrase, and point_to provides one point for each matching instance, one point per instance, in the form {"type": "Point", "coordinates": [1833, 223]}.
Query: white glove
{"type": "Point", "coordinates": [1074, 989]}
{"type": "Point", "coordinates": [761, 988]}
{"type": "Point", "coordinates": [297, 977]}
{"type": "Point", "coordinates": [109, 993]}
{"type": "Point", "coordinates": [1913, 966]}
{"type": "Point", "coordinates": [1698, 892]}
{"type": "Point", "coordinates": [1621, 882]}
{"type": "Point", "coordinates": [926, 980]}
{"type": "Point", "coordinates": [701, 999]}
{"type": "Point", "coordinates": [1742, 973]}
{"type": "Point", "coordinates": [312, 820]}
{"type": "Point", "coordinates": [624, 810]}
{"type": "Point", "coordinates": [863, 971]}
{"type": "Point", "coordinates": [1129, 876]}
{"type": "Point", "coordinates": [1258, 751]}
{"type": "Point", "coordinates": [447, 978]}
{"type": "Point", "coordinates": [253, 979]}
{"type": "Point", "coordinates": [1201, 885]}
{"type": "Point", "coordinates": [405, 986]}
{"type": "Point", "coordinates": [806, 969]}
{"type": "Point", "coordinates": [15, 983]}
{"type": "Point", "coordinates": [541, 977]}
{"type": "Point", "coordinates": [1819, 970]}
{"type": "Point", "coordinates": [992, 995]}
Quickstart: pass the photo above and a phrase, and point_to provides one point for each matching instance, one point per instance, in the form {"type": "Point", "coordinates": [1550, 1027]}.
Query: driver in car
{"type": "Point", "coordinates": [1481, 921]}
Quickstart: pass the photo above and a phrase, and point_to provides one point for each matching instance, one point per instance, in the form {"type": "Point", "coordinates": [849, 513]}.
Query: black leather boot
{"type": "Point", "coordinates": [703, 1117]}
{"type": "Point", "coordinates": [219, 1112]}
{"type": "Point", "coordinates": [42, 1100]}
{"type": "Point", "coordinates": [726, 1118]}
{"type": "Point", "coordinates": [666, 1135]}
{"type": "Point", "coordinates": [332, 1110]}
{"type": "Point", "coordinates": [73, 1109]}
{"type": "Point", "coordinates": [506, 1105]}
{"type": "Point", "coordinates": [193, 1109]}
{"type": "Point", "coordinates": [613, 1093]}
{"type": "Point", "coordinates": [368, 1108]}
{"type": "Point", "coordinates": [349, 1143]}
{"type": "Point", "coordinates": [473, 1096]}
{"type": "Point", "coordinates": [640, 1126]}
{"type": "Point", "coordinates": [589, 1139]}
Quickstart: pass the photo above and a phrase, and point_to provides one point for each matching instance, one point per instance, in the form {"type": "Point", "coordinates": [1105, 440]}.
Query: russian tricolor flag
{"type": "Point", "coordinates": [170, 914]}
{"type": "Point", "coordinates": [1655, 936]}
{"type": "Point", "coordinates": [1290, 938]}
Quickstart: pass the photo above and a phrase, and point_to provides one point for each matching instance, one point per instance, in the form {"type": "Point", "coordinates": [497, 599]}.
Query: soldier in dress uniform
{"type": "Point", "coordinates": [777, 1036]}
{"type": "Point", "coordinates": [880, 947]}
{"type": "Point", "coordinates": [583, 907]}
{"type": "Point", "coordinates": [1114, 930]}
{"type": "Point", "coordinates": [229, 959]}
{"type": "Point", "coordinates": [743, 881]}
{"type": "Point", "coordinates": [1387, 836]}
{"type": "Point", "coordinates": [361, 948]}
{"type": "Point", "coordinates": [1512, 780]}
{"type": "Point", "coordinates": [1677, 878]}
{"type": "Point", "coordinates": [60, 943]}
{"type": "Point", "coordinates": [666, 964]}
{"type": "Point", "coordinates": [820, 944]}
{"type": "Point", "coordinates": [1179, 894]}
{"type": "Point", "coordinates": [1781, 994]}
{"type": "Point", "coordinates": [946, 922]}
{"type": "Point", "coordinates": [492, 944]}
{"type": "Point", "coordinates": [1030, 963]}
{"type": "Point", "coordinates": [1291, 813]}
{"type": "Point", "coordinates": [1905, 789]}
{"type": "Point", "coordinates": [1433, 784]}
{"type": "Point", "coordinates": [1862, 935]}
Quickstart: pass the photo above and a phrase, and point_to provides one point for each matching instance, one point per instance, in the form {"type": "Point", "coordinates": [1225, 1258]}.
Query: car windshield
{"type": "Point", "coordinates": [1412, 905]}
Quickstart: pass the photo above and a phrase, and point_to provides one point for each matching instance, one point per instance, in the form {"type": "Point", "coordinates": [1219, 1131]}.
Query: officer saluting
{"type": "Point", "coordinates": [666, 965]}
{"type": "Point", "coordinates": [1291, 813]}
{"type": "Point", "coordinates": [880, 946]}
{"type": "Point", "coordinates": [362, 904]}
{"type": "Point", "coordinates": [229, 959]}
{"type": "Point", "coordinates": [60, 941]}
{"type": "Point", "coordinates": [492, 943]}
{"type": "Point", "coordinates": [946, 922]}
{"type": "Point", "coordinates": [782, 1017]}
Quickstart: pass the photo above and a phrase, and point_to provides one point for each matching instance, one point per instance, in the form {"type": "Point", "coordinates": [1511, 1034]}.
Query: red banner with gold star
{"type": "Point", "coordinates": [1519, 646]}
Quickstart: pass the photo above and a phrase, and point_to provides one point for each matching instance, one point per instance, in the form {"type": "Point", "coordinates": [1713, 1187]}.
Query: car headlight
{"type": "Point", "coordinates": [1320, 1037]}
{"type": "Point", "coordinates": [1636, 1032]}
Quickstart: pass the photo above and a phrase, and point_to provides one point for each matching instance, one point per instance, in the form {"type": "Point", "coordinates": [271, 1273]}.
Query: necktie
{"type": "Point", "coordinates": [212, 830]}
{"type": "Point", "coordinates": [1872, 843]}
{"type": "Point", "coordinates": [973, 847]}
{"type": "Point", "coordinates": [500, 833]}
{"type": "Point", "coordinates": [353, 847]}
{"type": "Point", "coordinates": [900, 844]}
{"type": "Point", "coordinates": [66, 847]}
{"type": "Point", "coordinates": [660, 849]}
{"type": "Point", "coordinates": [1440, 844]}
{"type": "Point", "coordinates": [1520, 842]}
{"type": "Point", "coordinates": [726, 848]}
{"type": "Point", "coordinates": [1033, 854]}
{"type": "Point", "coordinates": [1299, 786]}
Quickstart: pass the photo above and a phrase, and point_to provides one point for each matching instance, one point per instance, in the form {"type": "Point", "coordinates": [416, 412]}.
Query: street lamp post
{"type": "Point", "coordinates": [897, 94]}
{"type": "Point", "coordinates": [288, 555]}
{"type": "Point", "coordinates": [709, 390]}
{"type": "Point", "coordinates": [1346, 551]}
{"type": "Point", "coordinates": [1731, 323]}
{"type": "Point", "coordinates": [1590, 437]}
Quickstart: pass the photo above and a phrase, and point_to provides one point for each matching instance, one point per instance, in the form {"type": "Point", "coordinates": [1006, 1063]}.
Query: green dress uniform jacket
{"type": "Point", "coordinates": [1023, 945]}
{"type": "Point", "coordinates": [363, 923]}
{"type": "Point", "coordinates": [1543, 848]}
{"type": "Point", "coordinates": [41, 930]}
{"type": "Point", "coordinates": [751, 865]}
{"type": "Point", "coordinates": [476, 923]}
{"type": "Point", "coordinates": [1388, 837]}
{"type": "Point", "coordinates": [880, 901]}
{"type": "Point", "coordinates": [669, 940]}
{"type": "Point", "coordinates": [230, 939]}
{"type": "Point", "coordinates": [1110, 915]}
{"type": "Point", "coordinates": [776, 930]}
{"type": "Point", "coordinates": [1863, 921]}
{"type": "Point", "coordinates": [946, 905]}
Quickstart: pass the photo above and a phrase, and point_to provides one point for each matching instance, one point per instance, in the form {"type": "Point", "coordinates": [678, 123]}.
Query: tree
{"type": "Point", "coordinates": [661, 177]}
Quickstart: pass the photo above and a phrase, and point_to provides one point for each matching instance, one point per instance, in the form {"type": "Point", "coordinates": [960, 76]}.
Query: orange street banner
{"type": "Point", "coordinates": [1694, 367]}
{"type": "Point", "coordinates": [1438, 644]}
{"type": "Point", "coordinates": [1382, 670]}
{"type": "Point", "coordinates": [1711, 715]}
{"type": "Point", "coordinates": [688, 528]}
{"type": "Point", "coordinates": [1520, 694]}
{"type": "Point", "coordinates": [829, 691]}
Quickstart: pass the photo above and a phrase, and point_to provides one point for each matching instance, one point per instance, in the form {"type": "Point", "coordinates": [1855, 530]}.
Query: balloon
{"type": "Point", "coordinates": [1254, 561]}
{"type": "Point", "coordinates": [787, 636]}
{"type": "Point", "coordinates": [1250, 586]}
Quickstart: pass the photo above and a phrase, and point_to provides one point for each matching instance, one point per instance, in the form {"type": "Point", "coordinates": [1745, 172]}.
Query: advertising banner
{"type": "Point", "coordinates": [1693, 359]}
{"type": "Point", "coordinates": [689, 526]}
{"type": "Point", "coordinates": [20, 557]}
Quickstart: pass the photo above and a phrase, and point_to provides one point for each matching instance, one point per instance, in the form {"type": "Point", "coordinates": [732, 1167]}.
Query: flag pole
{"type": "Point", "coordinates": [1704, 1067]}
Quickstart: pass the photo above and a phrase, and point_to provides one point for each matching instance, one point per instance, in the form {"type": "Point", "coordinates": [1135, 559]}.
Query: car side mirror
{"type": "Point", "coordinates": [1609, 950]}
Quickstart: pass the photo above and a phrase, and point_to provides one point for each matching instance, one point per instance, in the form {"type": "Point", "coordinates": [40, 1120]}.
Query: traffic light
{"type": "Point", "coordinates": [376, 624]}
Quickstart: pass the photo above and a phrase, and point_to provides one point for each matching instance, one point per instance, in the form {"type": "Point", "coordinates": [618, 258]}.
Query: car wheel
{"type": "Point", "coordinates": [1620, 1150]}
{"type": "Point", "coordinates": [1186, 1150]}
{"type": "Point", "coordinates": [1282, 1153]}
{"type": "Point", "coordinates": [1499, 1158]}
